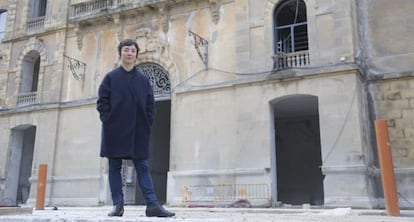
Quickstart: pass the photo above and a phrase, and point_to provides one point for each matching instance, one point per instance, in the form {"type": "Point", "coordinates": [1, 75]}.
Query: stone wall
{"type": "Point", "coordinates": [394, 102]}
{"type": "Point", "coordinates": [386, 61]}
{"type": "Point", "coordinates": [221, 122]}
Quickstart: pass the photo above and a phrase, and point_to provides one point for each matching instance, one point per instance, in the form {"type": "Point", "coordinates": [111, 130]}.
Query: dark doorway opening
{"type": "Point", "coordinates": [298, 150]}
{"type": "Point", "coordinates": [159, 160]}
{"type": "Point", "coordinates": [19, 171]}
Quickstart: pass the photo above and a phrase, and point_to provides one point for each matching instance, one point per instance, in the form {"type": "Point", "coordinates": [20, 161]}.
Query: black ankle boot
{"type": "Point", "coordinates": [117, 211]}
{"type": "Point", "coordinates": [156, 210]}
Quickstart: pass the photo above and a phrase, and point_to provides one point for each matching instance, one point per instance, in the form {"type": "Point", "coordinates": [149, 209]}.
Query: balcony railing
{"type": "Point", "coordinates": [26, 98]}
{"type": "Point", "coordinates": [95, 6]}
{"type": "Point", "coordinates": [291, 60]}
{"type": "Point", "coordinates": [35, 23]}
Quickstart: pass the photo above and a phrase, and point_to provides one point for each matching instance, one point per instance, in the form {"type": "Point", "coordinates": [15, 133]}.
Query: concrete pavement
{"type": "Point", "coordinates": [137, 213]}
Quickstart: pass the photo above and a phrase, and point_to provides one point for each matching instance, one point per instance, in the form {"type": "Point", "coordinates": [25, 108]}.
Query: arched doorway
{"type": "Point", "coordinates": [159, 160]}
{"type": "Point", "coordinates": [298, 150]}
{"type": "Point", "coordinates": [20, 165]}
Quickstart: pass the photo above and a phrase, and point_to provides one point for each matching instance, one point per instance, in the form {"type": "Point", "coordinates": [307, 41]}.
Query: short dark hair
{"type": "Point", "coordinates": [127, 42]}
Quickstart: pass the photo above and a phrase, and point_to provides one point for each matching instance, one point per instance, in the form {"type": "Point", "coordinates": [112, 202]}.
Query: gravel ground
{"type": "Point", "coordinates": [137, 213]}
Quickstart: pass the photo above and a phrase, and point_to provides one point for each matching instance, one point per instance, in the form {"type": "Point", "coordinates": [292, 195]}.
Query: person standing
{"type": "Point", "coordinates": [126, 109]}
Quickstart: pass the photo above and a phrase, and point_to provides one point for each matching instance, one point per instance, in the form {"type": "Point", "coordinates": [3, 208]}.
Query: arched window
{"type": "Point", "coordinates": [3, 20]}
{"type": "Point", "coordinates": [291, 34]}
{"type": "Point", "coordinates": [29, 80]}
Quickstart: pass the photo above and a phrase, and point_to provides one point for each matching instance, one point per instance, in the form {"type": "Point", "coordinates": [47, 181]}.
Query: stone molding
{"type": "Point", "coordinates": [218, 172]}
{"type": "Point", "coordinates": [215, 11]}
{"type": "Point", "coordinates": [36, 44]}
{"type": "Point", "coordinates": [345, 169]}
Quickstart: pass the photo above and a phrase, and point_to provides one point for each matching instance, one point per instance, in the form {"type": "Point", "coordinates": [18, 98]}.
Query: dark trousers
{"type": "Point", "coordinates": [143, 177]}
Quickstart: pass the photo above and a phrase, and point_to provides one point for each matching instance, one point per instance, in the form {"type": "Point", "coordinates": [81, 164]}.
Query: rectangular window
{"type": "Point", "coordinates": [3, 20]}
{"type": "Point", "coordinates": [38, 8]}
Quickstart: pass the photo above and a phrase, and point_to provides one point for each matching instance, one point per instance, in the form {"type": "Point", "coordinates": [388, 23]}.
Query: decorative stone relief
{"type": "Point", "coordinates": [215, 11]}
{"type": "Point", "coordinates": [164, 17]}
{"type": "Point", "coordinates": [149, 41]}
{"type": "Point", "coordinates": [33, 44]}
{"type": "Point", "coordinates": [269, 7]}
{"type": "Point", "coordinates": [36, 43]}
{"type": "Point", "coordinates": [79, 35]}
{"type": "Point", "coordinates": [118, 22]}
{"type": "Point", "coordinates": [154, 49]}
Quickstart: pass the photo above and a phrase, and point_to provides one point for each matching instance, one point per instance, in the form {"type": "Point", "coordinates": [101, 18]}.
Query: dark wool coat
{"type": "Point", "coordinates": [126, 109]}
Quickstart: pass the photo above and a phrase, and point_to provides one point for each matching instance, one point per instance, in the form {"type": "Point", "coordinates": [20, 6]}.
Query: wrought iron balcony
{"type": "Point", "coordinates": [26, 98]}
{"type": "Point", "coordinates": [99, 8]}
{"type": "Point", "coordinates": [291, 60]}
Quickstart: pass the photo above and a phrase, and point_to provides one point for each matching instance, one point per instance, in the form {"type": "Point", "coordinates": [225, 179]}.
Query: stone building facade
{"type": "Point", "coordinates": [259, 102]}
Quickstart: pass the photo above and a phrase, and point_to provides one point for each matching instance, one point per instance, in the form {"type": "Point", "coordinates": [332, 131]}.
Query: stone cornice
{"type": "Point", "coordinates": [90, 12]}
{"type": "Point", "coordinates": [291, 74]}
{"type": "Point", "coordinates": [390, 76]}
{"type": "Point", "coordinates": [28, 35]}
{"type": "Point", "coordinates": [41, 107]}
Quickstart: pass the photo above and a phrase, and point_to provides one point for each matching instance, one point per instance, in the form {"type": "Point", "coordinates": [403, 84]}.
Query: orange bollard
{"type": "Point", "coordinates": [41, 187]}
{"type": "Point", "coordinates": [387, 168]}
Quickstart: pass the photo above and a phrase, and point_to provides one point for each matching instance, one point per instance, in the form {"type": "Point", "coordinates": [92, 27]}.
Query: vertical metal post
{"type": "Point", "coordinates": [387, 168]}
{"type": "Point", "coordinates": [41, 187]}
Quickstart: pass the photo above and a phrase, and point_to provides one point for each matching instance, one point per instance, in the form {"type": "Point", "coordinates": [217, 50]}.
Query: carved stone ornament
{"type": "Point", "coordinates": [79, 35]}
{"type": "Point", "coordinates": [164, 17]}
{"type": "Point", "coordinates": [215, 11]}
{"type": "Point", "coordinates": [118, 22]}
{"type": "Point", "coordinates": [150, 41]}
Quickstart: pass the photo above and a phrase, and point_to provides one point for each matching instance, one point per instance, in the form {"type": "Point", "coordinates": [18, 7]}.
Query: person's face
{"type": "Point", "coordinates": [128, 54]}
